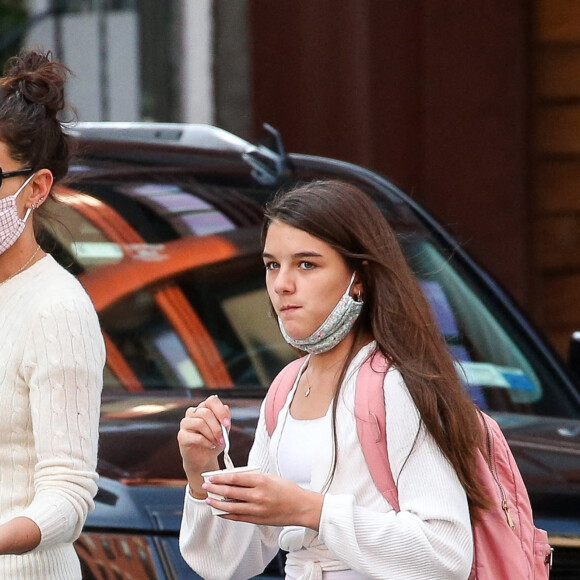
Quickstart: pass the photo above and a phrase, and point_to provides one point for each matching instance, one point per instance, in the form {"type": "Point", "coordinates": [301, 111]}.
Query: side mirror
{"type": "Point", "coordinates": [574, 353]}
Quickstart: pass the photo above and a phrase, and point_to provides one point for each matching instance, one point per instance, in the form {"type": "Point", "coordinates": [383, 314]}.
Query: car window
{"type": "Point", "coordinates": [174, 269]}
{"type": "Point", "coordinates": [149, 344]}
{"type": "Point", "coordinates": [489, 362]}
{"type": "Point", "coordinates": [232, 303]}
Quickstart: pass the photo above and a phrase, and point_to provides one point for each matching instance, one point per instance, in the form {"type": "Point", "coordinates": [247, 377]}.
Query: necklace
{"type": "Point", "coordinates": [27, 263]}
{"type": "Point", "coordinates": [309, 387]}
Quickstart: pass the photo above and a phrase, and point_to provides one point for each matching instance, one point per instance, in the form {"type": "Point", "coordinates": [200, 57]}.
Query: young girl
{"type": "Point", "coordinates": [342, 291]}
{"type": "Point", "coordinates": [51, 349]}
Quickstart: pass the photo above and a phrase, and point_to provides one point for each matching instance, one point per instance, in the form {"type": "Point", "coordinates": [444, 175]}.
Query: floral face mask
{"type": "Point", "coordinates": [333, 330]}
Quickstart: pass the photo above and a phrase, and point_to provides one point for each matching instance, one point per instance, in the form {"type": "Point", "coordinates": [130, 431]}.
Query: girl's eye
{"type": "Point", "coordinates": [307, 265]}
{"type": "Point", "coordinates": [271, 265]}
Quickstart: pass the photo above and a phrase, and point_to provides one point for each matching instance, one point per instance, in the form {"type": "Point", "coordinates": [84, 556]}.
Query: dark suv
{"type": "Point", "coordinates": [161, 225]}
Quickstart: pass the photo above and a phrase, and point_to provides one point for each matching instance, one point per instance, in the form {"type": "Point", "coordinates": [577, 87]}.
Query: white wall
{"type": "Point", "coordinates": [196, 64]}
{"type": "Point", "coordinates": [106, 83]}
{"type": "Point", "coordinates": [194, 30]}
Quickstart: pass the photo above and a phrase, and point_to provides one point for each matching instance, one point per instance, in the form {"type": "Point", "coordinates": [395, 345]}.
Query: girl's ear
{"type": "Point", "coordinates": [357, 288]}
{"type": "Point", "coordinates": [41, 185]}
{"type": "Point", "coordinates": [358, 285]}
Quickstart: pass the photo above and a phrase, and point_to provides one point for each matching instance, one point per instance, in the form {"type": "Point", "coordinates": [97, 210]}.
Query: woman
{"type": "Point", "coordinates": [342, 291]}
{"type": "Point", "coordinates": [51, 349]}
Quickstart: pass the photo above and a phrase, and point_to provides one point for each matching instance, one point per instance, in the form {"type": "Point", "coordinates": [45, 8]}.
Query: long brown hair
{"type": "Point", "coordinates": [395, 312]}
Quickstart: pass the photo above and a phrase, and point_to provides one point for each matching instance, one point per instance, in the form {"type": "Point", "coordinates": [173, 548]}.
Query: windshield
{"type": "Point", "coordinates": [174, 270]}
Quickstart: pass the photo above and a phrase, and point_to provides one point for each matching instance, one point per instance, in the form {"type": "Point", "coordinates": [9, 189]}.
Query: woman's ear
{"type": "Point", "coordinates": [41, 185]}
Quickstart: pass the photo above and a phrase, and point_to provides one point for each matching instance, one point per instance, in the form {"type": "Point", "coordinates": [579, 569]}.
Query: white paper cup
{"type": "Point", "coordinates": [207, 474]}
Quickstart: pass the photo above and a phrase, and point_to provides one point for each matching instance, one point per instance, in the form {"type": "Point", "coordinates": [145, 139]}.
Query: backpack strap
{"type": "Point", "coordinates": [278, 392]}
{"type": "Point", "coordinates": [371, 424]}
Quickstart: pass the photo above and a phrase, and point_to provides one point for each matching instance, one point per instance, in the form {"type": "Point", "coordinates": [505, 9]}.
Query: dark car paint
{"type": "Point", "coordinates": [138, 437]}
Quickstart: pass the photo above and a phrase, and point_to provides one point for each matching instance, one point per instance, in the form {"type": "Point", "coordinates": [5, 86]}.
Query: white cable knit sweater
{"type": "Point", "coordinates": [429, 539]}
{"type": "Point", "coordinates": [51, 371]}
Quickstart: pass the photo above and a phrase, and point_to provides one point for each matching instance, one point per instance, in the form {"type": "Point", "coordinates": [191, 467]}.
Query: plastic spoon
{"type": "Point", "coordinates": [227, 460]}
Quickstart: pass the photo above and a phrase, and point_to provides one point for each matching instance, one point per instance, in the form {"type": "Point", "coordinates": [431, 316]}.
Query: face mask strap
{"type": "Point", "coordinates": [19, 191]}
{"type": "Point", "coordinates": [358, 297]}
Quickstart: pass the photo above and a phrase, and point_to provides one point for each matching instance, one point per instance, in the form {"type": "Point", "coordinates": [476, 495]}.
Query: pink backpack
{"type": "Point", "coordinates": [507, 545]}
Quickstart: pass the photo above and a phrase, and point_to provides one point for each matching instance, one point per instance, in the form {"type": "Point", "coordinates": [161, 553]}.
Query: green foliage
{"type": "Point", "coordinates": [13, 17]}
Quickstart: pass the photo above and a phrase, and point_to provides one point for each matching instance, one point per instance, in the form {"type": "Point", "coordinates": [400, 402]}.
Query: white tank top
{"type": "Point", "coordinates": [301, 441]}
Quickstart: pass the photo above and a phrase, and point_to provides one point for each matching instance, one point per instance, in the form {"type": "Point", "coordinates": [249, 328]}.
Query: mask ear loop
{"type": "Point", "coordinates": [20, 189]}
{"type": "Point", "coordinates": [351, 282]}
{"type": "Point", "coordinates": [358, 293]}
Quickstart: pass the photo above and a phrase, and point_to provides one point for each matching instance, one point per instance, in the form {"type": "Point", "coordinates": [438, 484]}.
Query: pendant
{"type": "Point", "coordinates": [307, 392]}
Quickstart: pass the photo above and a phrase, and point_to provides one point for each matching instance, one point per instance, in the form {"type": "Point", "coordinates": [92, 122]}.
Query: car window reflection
{"type": "Point", "coordinates": [491, 366]}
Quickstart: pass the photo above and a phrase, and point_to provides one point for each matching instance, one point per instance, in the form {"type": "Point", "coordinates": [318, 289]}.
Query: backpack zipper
{"type": "Point", "coordinates": [504, 504]}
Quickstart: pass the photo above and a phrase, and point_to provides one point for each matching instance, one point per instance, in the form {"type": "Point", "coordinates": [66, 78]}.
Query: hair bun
{"type": "Point", "coordinates": [38, 79]}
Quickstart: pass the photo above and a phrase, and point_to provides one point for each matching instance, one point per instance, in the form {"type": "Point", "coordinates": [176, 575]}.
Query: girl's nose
{"type": "Point", "coordinates": [284, 283]}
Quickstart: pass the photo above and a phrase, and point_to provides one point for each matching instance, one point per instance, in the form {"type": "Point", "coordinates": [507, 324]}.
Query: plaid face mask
{"type": "Point", "coordinates": [11, 226]}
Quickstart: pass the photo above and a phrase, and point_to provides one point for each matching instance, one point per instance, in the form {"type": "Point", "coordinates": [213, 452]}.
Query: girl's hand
{"type": "Point", "coordinates": [201, 440]}
{"type": "Point", "coordinates": [265, 499]}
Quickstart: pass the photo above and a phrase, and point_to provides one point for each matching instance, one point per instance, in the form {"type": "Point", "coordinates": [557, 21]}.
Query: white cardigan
{"type": "Point", "coordinates": [51, 374]}
{"type": "Point", "coordinates": [430, 538]}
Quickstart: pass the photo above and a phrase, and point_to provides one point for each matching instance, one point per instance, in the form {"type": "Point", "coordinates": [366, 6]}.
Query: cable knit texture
{"type": "Point", "coordinates": [51, 374]}
{"type": "Point", "coordinates": [430, 538]}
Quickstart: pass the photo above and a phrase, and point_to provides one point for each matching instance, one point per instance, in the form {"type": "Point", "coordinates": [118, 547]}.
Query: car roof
{"type": "Point", "coordinates": [199, 136]}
